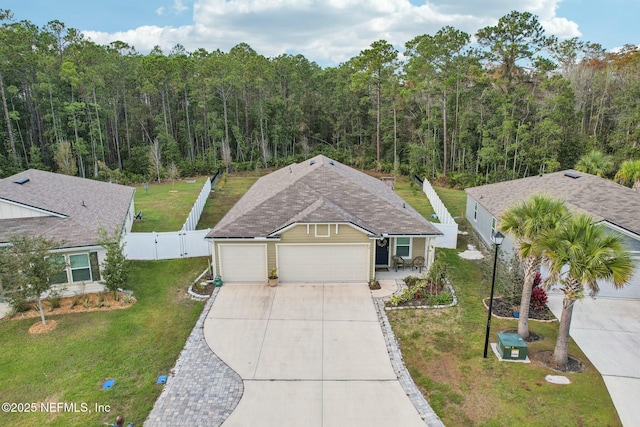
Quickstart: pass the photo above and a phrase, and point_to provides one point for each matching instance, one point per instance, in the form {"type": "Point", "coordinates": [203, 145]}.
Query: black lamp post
{"type": "Point", "coordinates": [497, 238]}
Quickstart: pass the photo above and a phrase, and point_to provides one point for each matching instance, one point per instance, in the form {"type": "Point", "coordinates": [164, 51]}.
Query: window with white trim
{"type": "Point", "coordinates": [494, 224]}
{"type": "Point", "coordinates": [80, 268]}
{"type": "Point", "coordinates": [475, 212]}
{"type": "Point", "coordinates": [61, 277]}
{"type": "Point", "coordinates": [403, 246]}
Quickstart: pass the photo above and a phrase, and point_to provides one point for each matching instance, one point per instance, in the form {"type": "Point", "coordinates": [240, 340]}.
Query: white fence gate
{"type": "Point", "coordinates": [167, 245]}
{"type": "Point", "coordinates": [447, 224]}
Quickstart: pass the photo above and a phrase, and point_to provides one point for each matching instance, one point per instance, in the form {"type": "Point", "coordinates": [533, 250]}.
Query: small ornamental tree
{"type": "Point", "coordinates": [26, 269]}
{"type": "Point", "coordinates": [115, 270]}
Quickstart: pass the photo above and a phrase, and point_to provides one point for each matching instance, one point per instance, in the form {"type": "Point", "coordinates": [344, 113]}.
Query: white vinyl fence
{"type": "Point", "coordinates": [167, 245]}
{"type": "Point", "coordinates": [186, 243]}
{"type": "Point", "coordinates": [194, 216]}
{"type": "Point", "coordinates": [447, 224]}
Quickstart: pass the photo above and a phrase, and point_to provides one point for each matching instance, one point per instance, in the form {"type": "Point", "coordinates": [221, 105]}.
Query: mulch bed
{"type": "Point", "coordinates": [574, 366]}
{"type": "Point", "coordinates": [205, 290]}
{"type": "Point", "coordinates": [504, 308]}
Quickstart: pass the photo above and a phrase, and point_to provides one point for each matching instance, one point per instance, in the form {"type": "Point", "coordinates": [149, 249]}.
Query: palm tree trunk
{"type": "Point", "coordinates": [531, 267]}
{"type": "Point", "coordinates": [560, 353]}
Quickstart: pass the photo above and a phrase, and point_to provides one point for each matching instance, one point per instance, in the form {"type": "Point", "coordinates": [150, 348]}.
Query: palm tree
{"type": "Point", "coordinates": [526, 222]}
{"type": "Point", "coordinates": [578, 254]}
{"type": "Point", "coordinates": [629, 173]}
{"type": "Point", "coordinates": [595, 162]}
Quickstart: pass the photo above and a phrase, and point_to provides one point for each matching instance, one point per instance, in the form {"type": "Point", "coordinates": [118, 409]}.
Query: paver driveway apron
{"type": "Point", "coordinates": [309, 355]}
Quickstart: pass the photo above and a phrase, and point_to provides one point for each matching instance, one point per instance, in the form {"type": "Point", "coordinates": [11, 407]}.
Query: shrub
{"type": "Point", "coordinates": [539, 297]}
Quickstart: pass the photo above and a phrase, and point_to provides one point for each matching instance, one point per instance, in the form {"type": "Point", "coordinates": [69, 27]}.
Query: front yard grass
{"type": "Point", "coordinates": [165, 206]}
{"type": "Point", "coordinates": [132, 346]}
{"type": "Point", "coordinates": [443, 351]}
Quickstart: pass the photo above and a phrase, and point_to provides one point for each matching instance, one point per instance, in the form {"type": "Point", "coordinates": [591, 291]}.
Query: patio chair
{"type": "Point", "coordinates": [398, 261]}
{"type": "Point", "coordinates": [417, 262]}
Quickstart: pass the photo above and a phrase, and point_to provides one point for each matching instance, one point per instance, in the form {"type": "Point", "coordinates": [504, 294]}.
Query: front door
{"type": "Point", "coordinates": [382, 252]}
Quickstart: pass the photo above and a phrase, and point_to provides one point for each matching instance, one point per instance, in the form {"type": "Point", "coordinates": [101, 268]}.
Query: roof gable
{"type": "Point", "coordinates": [583, 192]}
{"type": "Point", "coordinates": [320, 190]}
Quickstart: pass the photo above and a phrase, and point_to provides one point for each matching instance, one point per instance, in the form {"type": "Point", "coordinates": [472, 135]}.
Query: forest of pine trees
{"type": "Point", "coordinates": [515, 103]}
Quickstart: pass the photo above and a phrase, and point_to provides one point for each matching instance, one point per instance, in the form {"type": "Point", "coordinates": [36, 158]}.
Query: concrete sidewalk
{"type": "Point", "coordinates": [607, 330]}
{"type": "Point", "coordinates": [308, 354]}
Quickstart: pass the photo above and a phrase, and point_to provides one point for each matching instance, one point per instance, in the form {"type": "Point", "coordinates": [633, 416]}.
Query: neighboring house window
{"type": "Point", "coordinates": [403, 246]}
{"type": "Point", "coordinates": [494, 223]}
{"type": "Point", "coordinates": [62, 276]}
{"type": "Point", "coordinates": [80, 268]}
{"type": "Point", "coordinates": [475, 212]}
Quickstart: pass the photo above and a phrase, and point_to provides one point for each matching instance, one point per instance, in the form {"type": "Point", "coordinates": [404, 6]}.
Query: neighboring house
{"type": "Point", "coordinates": [615, 206]}
{"type": "Point", "coordinates": [68, 209]}
{"type": "Point", "coordinates": [318, 221]}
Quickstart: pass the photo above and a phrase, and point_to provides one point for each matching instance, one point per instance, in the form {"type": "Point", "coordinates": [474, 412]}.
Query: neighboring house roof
{"type": "Point", "coordinates": [604, 200]}
{"type": "Point", "coordinates": [74, 207]}
{"type": "Point", "coordinates": [320, 190]}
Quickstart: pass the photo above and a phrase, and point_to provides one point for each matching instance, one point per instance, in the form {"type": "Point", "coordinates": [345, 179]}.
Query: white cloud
{"type": "Point", "coordinates": [178, 6]}
{"type": "Point", "coordinates": [160, 11]}
{"type": "Point", "coordinates": [327, 31]}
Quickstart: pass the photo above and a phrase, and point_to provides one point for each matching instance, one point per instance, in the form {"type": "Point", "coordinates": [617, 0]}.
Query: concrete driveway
{"type": "Point", "coordinates": [608, 332]}
{"type": "Point", "coordinates": [309, 354]}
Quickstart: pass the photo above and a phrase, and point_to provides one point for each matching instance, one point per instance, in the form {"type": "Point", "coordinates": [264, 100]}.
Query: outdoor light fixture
{"type": "Point", "coordinates": [497, 238]}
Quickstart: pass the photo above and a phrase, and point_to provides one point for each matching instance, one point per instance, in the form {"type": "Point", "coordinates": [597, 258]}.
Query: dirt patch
{"type": "Point", "coordinates": [39, 328]}
{"type": "Point", "coordinates": [81, 304]}
{"type": "Point", "coordinates": [545, 358]}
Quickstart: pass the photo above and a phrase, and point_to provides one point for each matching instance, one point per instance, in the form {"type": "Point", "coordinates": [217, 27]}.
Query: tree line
{"type": "Point", "coordinates": [516, 102]}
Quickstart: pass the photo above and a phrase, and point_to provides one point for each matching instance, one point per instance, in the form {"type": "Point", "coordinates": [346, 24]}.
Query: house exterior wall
{"type": "Point", "coordinates": [481, 221]}
{"type": "Point", "coordinates": [128, 221]}
{"type": "Point", "coordinates": [310, 234]}
{"type": "Point", "coordinates": [10, 211]}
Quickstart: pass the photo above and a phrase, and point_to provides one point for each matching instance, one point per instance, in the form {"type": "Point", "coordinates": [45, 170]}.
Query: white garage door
{"type": "Point", "coordinates": [323, 263]}
{"type": "Point", "coordinates": [243, 263]}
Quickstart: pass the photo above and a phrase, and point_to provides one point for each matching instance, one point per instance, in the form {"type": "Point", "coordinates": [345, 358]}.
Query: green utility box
{"type": "Point", "coordinates": [512, 347]}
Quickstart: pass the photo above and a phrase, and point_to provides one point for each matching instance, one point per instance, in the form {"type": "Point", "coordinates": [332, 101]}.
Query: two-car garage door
{"type": "Point", "coordinates": [323, 262]}
{"type": "Point", "coordinates": [296, 262]}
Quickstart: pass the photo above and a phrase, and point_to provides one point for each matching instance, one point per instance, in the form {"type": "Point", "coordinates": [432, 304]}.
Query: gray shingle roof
{"type": "Point", "coordinates": [320, 190]}
{"type": "Point", "coordinates": [84, 205]}
{"type": "Point", "coordinates": [599, 197]}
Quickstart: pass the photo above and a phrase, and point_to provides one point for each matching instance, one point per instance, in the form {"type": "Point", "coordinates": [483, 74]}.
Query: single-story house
{"type": "Point", "coordinates": [614, 205]}
{"type": "Point", "coordinates": [318, 221]}
{"type": "Point", "coordinates": [68, 209]}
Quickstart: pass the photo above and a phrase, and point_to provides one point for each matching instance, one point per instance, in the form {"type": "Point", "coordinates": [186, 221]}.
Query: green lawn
{"type": "Point", "coordinates": [132, 346]}
{"type": "Point", "coordinates": [412, 194]}
{"type": "Point", "coordinates": [443, 352]}
{"type": "Point", "coordinates": [226, 194]}
{"type": "Point", "coordinates": [165, 206]}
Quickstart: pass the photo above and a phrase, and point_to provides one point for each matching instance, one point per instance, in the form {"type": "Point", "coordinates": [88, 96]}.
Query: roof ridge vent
{"type": "Point", "coordinates": [21, 181]}
{"type": "Point", "coordinates": [572, 175]}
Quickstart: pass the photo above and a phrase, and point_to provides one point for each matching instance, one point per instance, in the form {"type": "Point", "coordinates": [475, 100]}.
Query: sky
{"type": "Point", "coordinates": [328, 32]}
